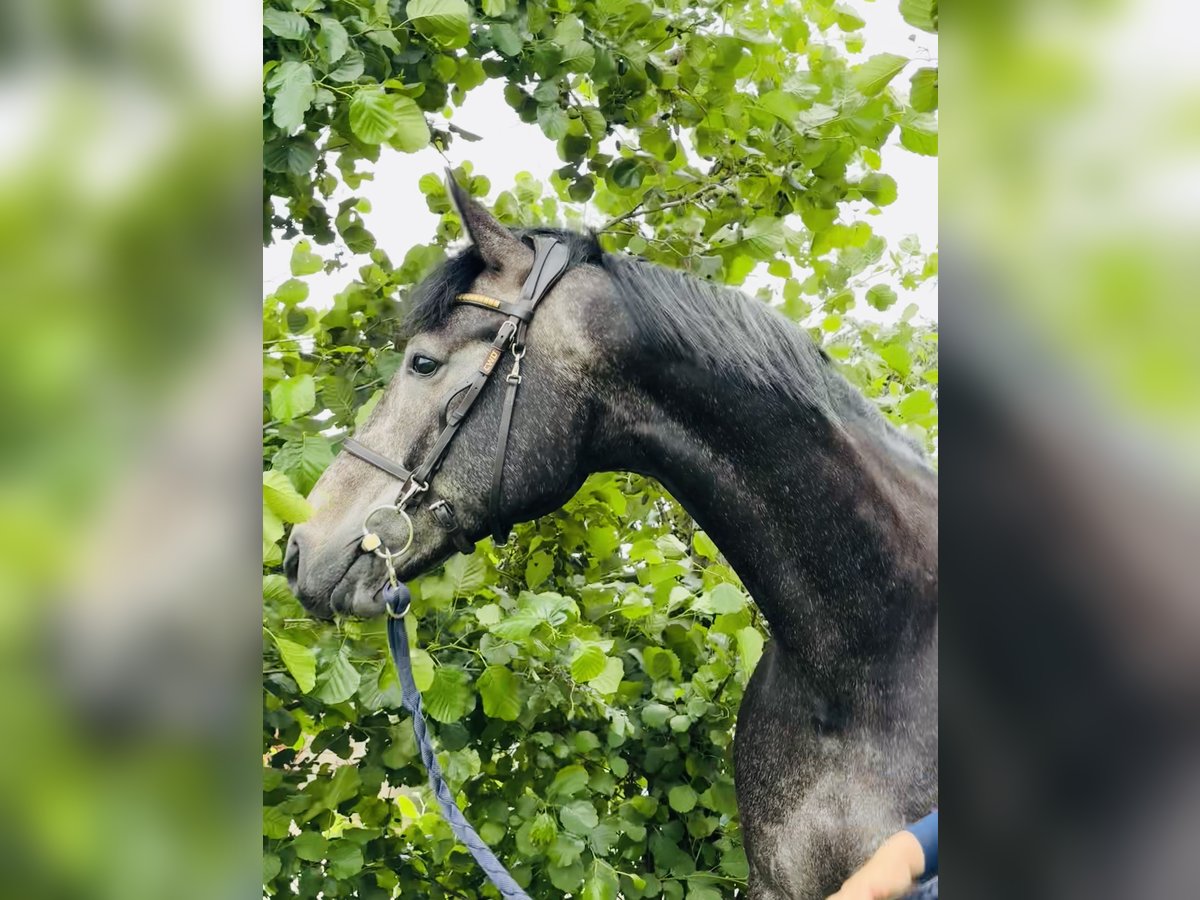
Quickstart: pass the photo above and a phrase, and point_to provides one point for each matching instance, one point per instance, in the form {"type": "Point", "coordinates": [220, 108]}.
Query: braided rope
{"type": "Point", "coordinates": [411, 700]}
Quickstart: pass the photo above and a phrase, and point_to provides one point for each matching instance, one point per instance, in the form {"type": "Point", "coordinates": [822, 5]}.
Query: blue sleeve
{"type": "Point", "coordinates": [926, 833]}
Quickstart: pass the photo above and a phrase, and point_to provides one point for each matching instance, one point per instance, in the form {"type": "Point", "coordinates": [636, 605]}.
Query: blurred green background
{"type": "Point", "coordinates": [129, 264]}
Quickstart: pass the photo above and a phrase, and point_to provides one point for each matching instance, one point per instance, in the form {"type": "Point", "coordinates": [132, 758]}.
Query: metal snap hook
{"type": "Point", "coordinates": [411, 488]}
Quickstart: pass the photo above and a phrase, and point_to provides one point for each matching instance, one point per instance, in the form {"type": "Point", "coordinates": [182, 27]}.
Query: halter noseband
{"type": "Point", "coordinates": [551, 261]}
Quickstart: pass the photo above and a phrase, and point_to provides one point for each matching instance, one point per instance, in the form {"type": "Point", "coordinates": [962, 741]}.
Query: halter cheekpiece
{"type": "Point", "coordinates": [551, 261]}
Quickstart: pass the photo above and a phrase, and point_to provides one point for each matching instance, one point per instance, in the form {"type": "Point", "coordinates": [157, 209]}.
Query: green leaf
{"type": "Point", "coordinates": [916, 404]}
{"type": "Point", "coordinates": [593, 122]}
{"type": "Point", "coordinates": [578, 56]}
{"type": "Point", "coordinates": [553, 121]}
{"type": "Point", "coordinates": [345, 859]}
{"type": "Point", "coordinates": [332, 40]}
{"type": "Point", "coordinates": [816, 115]}
{"type": "Point", "coordinates": [304, 460]}
{"type": "Point", "coordinates": [310, 845]}
{"type": "Point", "coordinates": [295, 155]}
{"type": "Point", "coordinates": [847, 18]}
{"type": "Point", "coordinates": [466, 574]}
{"type": "Point", "coordinates": [507, 40]}
{"type": "Point", "coordinates": [725, 598]}
{"type": "Point", "coordinates": [379, 687]}
{"type": "Point", "coordinates": [660, 663]}
{"type": "Point", "coordinates": [919, 133]}
{"type": "Point", "coordinates": [304, 261]}
{"type": "Point", "coordinates": [294, 94]}
{"type": "Point", "coordinates": [585, 742]}
{"type": "Point", "coordinates": [603, 839]}
{"type": "Point", "coordinates": [602, 882]}
{"type": "Point", "coordinates": [272, 531]}
{"type": "Point", "coordinates": [343, 785]}
{"type": "Point", "coordinates": [493, 8]}
{"type": "Point", "coordinates": [372, 115]}
{"type": "Point", "coordinates": [291, 292]}
{"type": "Point", "coordinates": [538, 569]}
{"type": "Point", "coordinates": [449, 698]}
{"type": "Point", "coordinates": [627, 173]}
{"type": "Point", "coordinates": [281, 498]}
{"type": "Point", "coordinates": [873, 76]}
{"type": "Point", "coordinates": [275, 589]}
{"type": "Point", "coordinates": [881, 296]}
{"type": "Point", "coordinates": [489, 614]}
{"type": "Point", "coordinates": [501, 693]}
{"type": "Point", "coordinates": [921, 14]}
{"type": "Point", "coordinates": [338, 682]}
{"type": "Point", "coordinates": [763, 237]}
{"type": "Point", "coordinates": [300, 661]}
{"type": "Point", "coordinates": [923, 93]}
{"type": "Point", "coordinates": [411, 130]}
{"type": "Point", "coordinates": [704, 545]}
{"type": "Point", "coordinates": [564, 852]}
{"type": "Point", "coordinates": [589, 663]}
{"type": "Point", "coordinates": [542, 830]}
{"type": "Point", "coordinates": [567, 782]}
{"type": "Point", "coordinates": [609, 680]}
{"type": "Point", "coordinates": [578, 817]}
{"type": "Point", "coordinates": [288, 25]}
{"type": "Point", "coordinates": [422, 667]}
{"type": "Point", "coordinates": [517, 627]}
{"type": "Point", "coordinates": [443, 21]}
{"type": "Point", "coordinates": [293, 397]}
{"type": "Point", "coordinates": [750, 647]}
{"type": "Point", "coordinates": [276, 822]}
{"type": "Point", "coordinates": [656, 715]}
{"type": "Point", "coordinates": [879, 189]}
{"type": "Point", "coordinates": [682, 798]}
{"type": "Point", "coordinates": [349, 69]}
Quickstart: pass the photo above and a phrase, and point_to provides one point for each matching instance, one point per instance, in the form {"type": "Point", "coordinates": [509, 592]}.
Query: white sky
{"type": "Point", "coordinates": [399, 217]}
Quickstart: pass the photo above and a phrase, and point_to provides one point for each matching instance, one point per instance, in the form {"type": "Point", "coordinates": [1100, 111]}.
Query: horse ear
{"type": "Point", "coordinates": [499, 247]}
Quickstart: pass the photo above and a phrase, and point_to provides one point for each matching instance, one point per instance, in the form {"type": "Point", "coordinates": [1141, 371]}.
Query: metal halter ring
{"type": "Point", "coordinates": [382, 550]}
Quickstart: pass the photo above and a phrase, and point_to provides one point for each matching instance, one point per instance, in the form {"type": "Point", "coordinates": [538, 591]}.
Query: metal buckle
{"type": "Point", "coordinates": [511, 326]}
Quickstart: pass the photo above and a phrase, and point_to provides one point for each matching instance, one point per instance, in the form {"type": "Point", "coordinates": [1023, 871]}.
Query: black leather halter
{"type": "Point", "coordinates": [551, 261]}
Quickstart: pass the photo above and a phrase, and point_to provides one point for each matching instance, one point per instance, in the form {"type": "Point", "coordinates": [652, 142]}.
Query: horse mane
{"type": "Point", "coordinates": [681, 317]}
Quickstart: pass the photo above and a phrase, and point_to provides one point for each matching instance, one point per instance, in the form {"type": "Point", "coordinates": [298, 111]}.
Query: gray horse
{"type": "Point", "coordinates": [827, 513]}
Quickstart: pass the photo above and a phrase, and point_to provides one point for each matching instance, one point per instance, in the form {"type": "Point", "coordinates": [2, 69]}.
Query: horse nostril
{"type": "Point", "coordinates": [291, 560]}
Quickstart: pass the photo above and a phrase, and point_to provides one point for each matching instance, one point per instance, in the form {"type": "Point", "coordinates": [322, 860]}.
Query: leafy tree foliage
{"type": "Point", "coordinates": [583, 680]}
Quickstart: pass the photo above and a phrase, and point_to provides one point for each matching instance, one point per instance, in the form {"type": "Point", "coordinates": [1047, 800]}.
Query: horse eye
{"type": "Point", "coordinates": [424, 365]}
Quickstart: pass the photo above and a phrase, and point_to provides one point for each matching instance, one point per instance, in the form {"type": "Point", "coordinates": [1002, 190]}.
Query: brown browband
{"type": "Point", "coordinates": [522, 311]}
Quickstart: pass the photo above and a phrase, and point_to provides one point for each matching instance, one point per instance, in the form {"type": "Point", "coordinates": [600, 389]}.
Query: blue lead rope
{"type": "Point", "coordinates": [397, 599]}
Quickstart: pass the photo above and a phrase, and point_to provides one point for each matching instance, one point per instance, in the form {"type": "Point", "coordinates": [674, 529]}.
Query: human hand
{"type": "Point", "coordinates": [889, 874]}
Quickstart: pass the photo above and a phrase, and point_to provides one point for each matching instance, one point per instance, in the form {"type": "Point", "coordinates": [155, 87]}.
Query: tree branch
{"type": "Point", "coordinates": [637, 210]}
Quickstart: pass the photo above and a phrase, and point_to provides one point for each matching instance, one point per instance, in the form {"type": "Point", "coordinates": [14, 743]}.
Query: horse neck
{"type": "Point", "coordinates": [831, 525]}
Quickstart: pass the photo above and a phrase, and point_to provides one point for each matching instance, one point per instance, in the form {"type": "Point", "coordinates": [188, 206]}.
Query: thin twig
{"type": "Point", "coordinates": [637, 210]}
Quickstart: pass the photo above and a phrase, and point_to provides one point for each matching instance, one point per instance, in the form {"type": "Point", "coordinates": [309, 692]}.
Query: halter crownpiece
{"type": "Point", "coordinates": [550, 263]}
